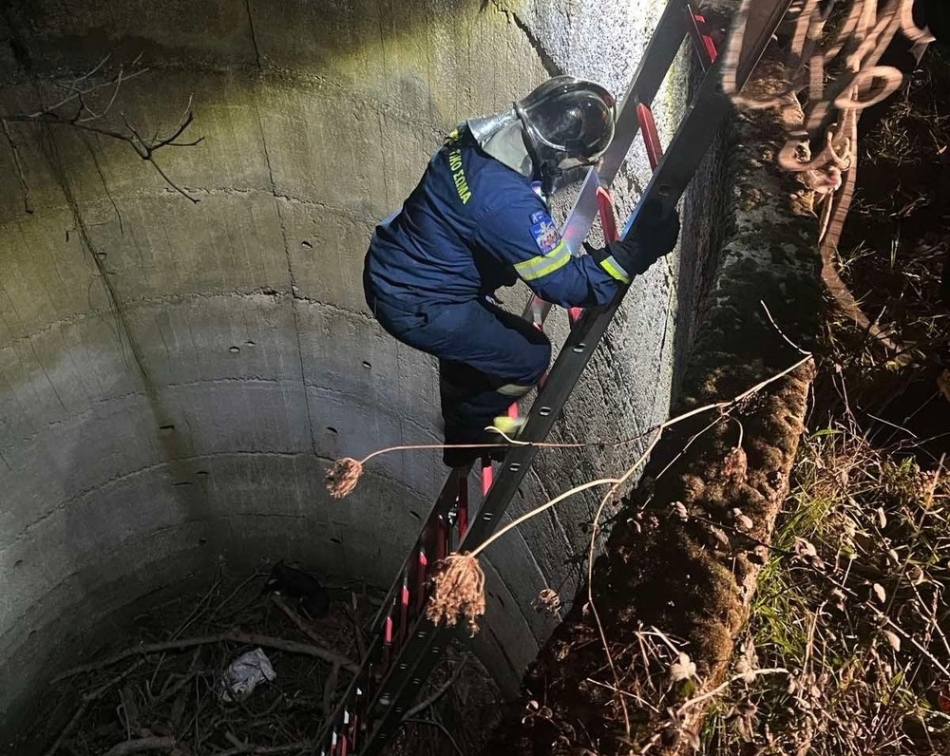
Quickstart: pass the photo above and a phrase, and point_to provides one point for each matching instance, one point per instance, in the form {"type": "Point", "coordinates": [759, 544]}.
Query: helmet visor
{"type": "Point", "coordinates": [572, 117]}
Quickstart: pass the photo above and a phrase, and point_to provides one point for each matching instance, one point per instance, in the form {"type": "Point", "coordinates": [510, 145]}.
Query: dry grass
{"type": "Point", "coordinates": [852, 603]}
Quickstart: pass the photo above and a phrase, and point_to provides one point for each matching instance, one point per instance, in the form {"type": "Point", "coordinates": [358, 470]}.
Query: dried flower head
{"type": "Point", "coordinates": [548, 601]}
{"type": "Point", "coordinates": [343, 476]}
{"type": "Point", "coordinates": [458, 591]}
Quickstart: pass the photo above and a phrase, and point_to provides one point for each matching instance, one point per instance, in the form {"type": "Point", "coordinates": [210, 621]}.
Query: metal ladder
{"type": "Point", "coordinates": [404, 645]}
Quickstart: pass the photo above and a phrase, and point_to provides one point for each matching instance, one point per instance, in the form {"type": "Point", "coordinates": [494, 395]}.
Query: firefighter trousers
{"type": "Point", "coordinates": [487, 359]}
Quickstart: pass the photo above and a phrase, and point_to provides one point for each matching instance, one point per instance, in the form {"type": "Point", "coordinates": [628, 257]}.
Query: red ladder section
{"type": "Point", "coordinates": [404, 645]}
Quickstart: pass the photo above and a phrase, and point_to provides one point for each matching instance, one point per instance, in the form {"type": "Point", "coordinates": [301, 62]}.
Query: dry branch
{"type": "Point", "coordinates": [84, 118]}
{"type": "Point", "coordinates": [142, 744]}
{"type": "Point", "coordinates": [232, 636]}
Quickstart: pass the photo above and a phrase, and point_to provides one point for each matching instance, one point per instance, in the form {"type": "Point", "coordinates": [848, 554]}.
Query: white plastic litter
{"type": "Point", "coordinates": [244, 674]}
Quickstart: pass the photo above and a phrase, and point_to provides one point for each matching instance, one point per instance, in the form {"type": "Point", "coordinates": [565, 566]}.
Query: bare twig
{"type": "Point", "coordinates": [142, 744]}
{"type": "Point", "coordinates": [441, 727]}
{"type": "Point", "coordinates": [308, 631]}
{"type": "Point", "coordinates": [720, 688]}
{"type": "Point", "coordinates": [232, 636]}
{"type": "Point", "coordinates": [423, 705]}
{"type": "Point", "coordinates": [266, 750]}
{"type": "Point", "coordinates": [21, 177]}
{"type": "Point", "coordinates": [329, 689]}
{"type": "Point", "coordinates": [85, 117]}
{"type": "Point", "coordinates": [87, 700]}
{"type": "Point", "coordinates": [357, 632]}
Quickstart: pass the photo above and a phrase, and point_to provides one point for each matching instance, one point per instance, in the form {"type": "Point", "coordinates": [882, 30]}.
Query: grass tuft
{"type": "Point", "coordinates": [852, 603]}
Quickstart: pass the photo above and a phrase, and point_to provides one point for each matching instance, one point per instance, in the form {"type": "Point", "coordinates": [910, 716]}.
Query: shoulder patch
{"type": "Point", "coordinates": [544, 232]}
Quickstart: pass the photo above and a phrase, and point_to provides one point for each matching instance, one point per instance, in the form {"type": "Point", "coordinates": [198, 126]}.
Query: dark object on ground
{"type": "Point", "coordinates": [312, 599]}
{"type": "Point", "coordinates": [935, 14]}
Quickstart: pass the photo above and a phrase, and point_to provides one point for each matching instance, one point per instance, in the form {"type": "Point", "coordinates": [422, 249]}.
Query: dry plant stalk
{"type": "Point", "coordinates": [458, 591]}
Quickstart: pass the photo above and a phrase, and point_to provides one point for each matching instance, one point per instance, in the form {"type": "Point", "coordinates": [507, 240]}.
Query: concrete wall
{"type": "Point", "coordinates": [175, 377]}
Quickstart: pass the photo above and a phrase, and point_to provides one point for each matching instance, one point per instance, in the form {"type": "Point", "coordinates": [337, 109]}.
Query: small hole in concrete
{"type": "Point", "coordinates": [183, 483]}
{"type": "Point", "coordinates": [415, 514]}
{"type": "Point", "coordinates": [336, 540]}
{"type": "Point", "coordinates": [501, 601]}
{"type": "Point", "coordinates": [202, 472]}
{"type": "Point", "coordinates": [331, 429]}
{"type": "Point", "coordinates": [234, 350]}
{"type": "Point", "coordinates": [306, 245]}
{"type": "Point", "coordinates": [579, 348]}
{"type": "Point", "coordinates": [18, 563]}
{"type": "Point", "coordinates": [366, 365]}
{"type": "Point", "coordinates": [102, 255]}
{"type": "Point", "coordinates": [166, 428]}
{"type": "Point", "coordinates": [250, 343]}
{"type": "Point", "coordinates": [31, 634]}
{"type": "Point", "coordinates": [202, 541]}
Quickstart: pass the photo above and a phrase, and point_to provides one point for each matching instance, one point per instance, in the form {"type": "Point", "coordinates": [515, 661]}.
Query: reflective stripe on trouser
{"type": "Point", "coordinates": [484, 353]}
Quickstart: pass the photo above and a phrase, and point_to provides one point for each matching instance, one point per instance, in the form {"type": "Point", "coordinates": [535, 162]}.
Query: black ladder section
{"type": "Point", "coordinates": [404, 645]}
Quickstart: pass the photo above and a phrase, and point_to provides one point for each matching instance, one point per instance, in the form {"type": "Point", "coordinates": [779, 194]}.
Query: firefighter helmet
{"type": "Point", "coordinates": [568, 122]}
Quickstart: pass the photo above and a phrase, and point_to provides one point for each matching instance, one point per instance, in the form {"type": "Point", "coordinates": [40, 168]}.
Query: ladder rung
{"type": "Point", "coordinates": [703, 43]}
{"type": "Point", "coordinates": [463, 509]}
{"type": "Point", "coordinates": [422, 563]}
{"type": "Point", "coordinates": [608, 221]}
{"type": "Point", "coordinates": [404, 610]}
{"type": "Point", "coordinates": [488, 475]}
{"type": "Point", "coordinates": [651, 140]}
{"type": "Point", "coordinates": [442, 542]}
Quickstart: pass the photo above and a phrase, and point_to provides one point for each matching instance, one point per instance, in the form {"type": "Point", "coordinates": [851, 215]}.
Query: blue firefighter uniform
{"type": "Point", "coordinates": [470, 226]}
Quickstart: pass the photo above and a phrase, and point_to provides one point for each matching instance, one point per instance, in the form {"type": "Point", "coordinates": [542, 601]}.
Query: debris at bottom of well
{"type": "Point", "coordinates": [245, 673]}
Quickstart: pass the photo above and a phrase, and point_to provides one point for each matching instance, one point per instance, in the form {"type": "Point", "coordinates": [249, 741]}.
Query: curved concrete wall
{"type": "Point", "coordinates": [175, 377]}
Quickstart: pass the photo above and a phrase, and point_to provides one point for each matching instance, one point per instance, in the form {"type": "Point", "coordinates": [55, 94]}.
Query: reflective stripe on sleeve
{"type": "Point", "coordinates": [542, 265]}
{"type": "Point", "coordinates": [615, 269]}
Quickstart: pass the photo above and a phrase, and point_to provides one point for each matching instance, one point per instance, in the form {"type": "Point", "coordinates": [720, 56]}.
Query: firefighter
{"type": "Point", "coordinates": [479, 220]}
